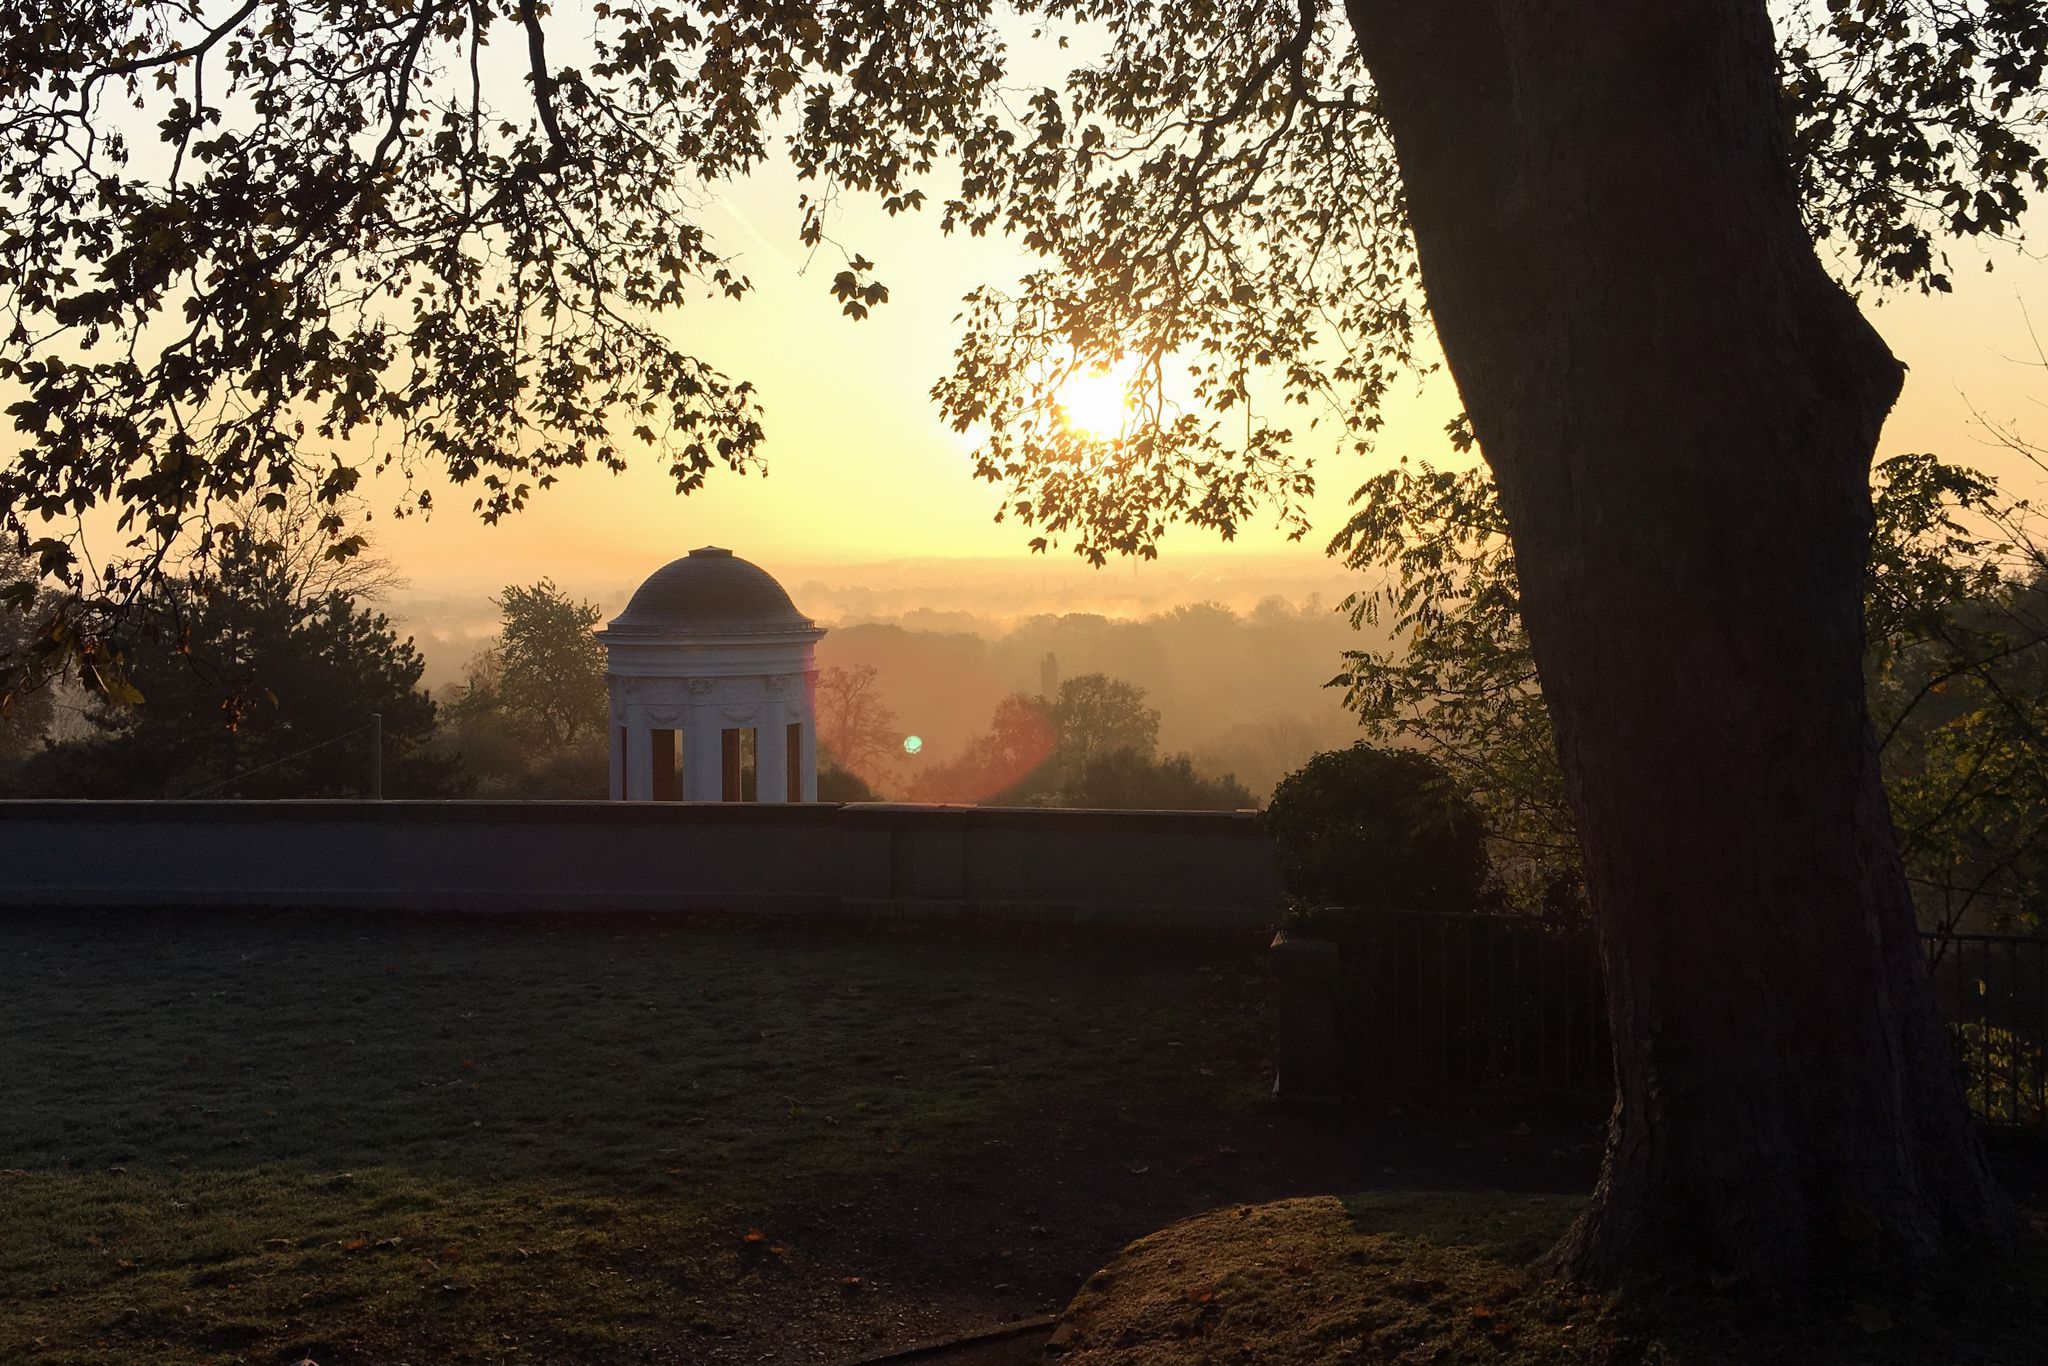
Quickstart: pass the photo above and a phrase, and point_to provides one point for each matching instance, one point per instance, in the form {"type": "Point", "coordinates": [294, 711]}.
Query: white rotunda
{"type": "Point", "coordinates": [712, 673]}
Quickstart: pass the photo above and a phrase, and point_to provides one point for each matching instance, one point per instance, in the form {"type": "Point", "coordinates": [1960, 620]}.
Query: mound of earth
{"type": "Point", "coordinates": [1446, 1278]}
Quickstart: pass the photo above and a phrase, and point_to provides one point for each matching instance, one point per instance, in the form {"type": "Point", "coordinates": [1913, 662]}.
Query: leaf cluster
{"type": "Point", "coordinates": [1956, 612]}
{"type": "Point", "coordinates": [243, 688]}
{"type": "Point", "coordinates": [280, 245]}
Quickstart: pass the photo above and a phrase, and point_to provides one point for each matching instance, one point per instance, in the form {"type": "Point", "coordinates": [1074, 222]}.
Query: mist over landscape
{"type": "Point", "coordinates": [1233, 650]}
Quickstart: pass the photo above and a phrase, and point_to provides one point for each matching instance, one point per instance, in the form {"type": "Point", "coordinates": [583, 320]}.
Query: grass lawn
{"type": "Point", "coordinates": [379, 1139]}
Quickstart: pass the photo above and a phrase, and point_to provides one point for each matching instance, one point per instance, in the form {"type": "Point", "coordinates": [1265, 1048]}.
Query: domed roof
{"type": "Point", "coordinates": [710, 591]}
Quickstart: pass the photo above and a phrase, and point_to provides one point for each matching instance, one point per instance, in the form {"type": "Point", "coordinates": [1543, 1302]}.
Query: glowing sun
{"type": "Point", "coordinates": [1096, 403]}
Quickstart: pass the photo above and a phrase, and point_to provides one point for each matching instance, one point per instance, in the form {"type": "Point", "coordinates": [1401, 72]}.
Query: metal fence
{"type": "Point", "coordinates": [1993, 989]}
{"type": "Point", "coordinates": [1503, 1002]}
{"type": "Point", "coordinates": [1493, 1001]}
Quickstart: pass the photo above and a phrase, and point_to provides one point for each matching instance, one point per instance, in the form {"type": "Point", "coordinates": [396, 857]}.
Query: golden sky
{"type": "Point", "coordinates": [861, 469]}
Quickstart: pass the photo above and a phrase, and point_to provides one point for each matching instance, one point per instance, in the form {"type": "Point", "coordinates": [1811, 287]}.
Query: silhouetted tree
{"type": "Point", "coordinates": [550, 668]}
{"type": "Point", "coordinates": [1379, 829]}
{"type": "Point", "coordinates": [25, 713]}
{"type": "Point", "coordinates": [1611, 210]}
{"type": "Point", "coordinates": [836, 784]}
{"type": "Point", "coordinates": [1125, 780]}
{"type": "Point", "coordinates": [247, 690]}
{"type": "Point", "coordinates": [855, 727]}
{"type": "Point", "coordinates": [1095, 714]}
{"type": "Point", "coordinates": [529, 719]}
{"type": "Point", "coordinates": [1094, 745]}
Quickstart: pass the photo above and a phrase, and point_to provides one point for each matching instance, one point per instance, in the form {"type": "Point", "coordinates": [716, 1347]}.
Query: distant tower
{"type": "Point", "coordinates": [711, 664]}
{"type": "Point", "coordinates": [1049, 676]}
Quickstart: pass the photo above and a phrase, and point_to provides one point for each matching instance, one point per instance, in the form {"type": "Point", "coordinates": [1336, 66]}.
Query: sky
{"type": "Point", "coordinates": [866, 486]}
{"type": "Point", "coordinates": [862, 471]}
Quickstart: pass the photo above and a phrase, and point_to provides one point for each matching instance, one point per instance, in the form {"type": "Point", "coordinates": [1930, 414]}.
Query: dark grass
{"type": "Point", "coordinates": [264, 1137]}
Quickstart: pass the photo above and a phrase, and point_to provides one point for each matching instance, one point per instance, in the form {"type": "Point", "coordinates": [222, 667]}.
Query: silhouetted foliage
{"type": "Point", "coordinates": [836, 784]}
{"type": "Point", "coordinates": [350, 238]}
{"type": "Point", "coordinates": [247, 690]}
{"type": "Point", "coordinates": [530, 718]}
{"type": "Point", "coordinates": [25, 712]}
{"type": "Point", "coordinates": [1379, 829]}
{"type": "Point", "coordinates": [857, 732]}
{"type": "Point", "coordinates": [550, 668]}
{"type": "Point", "coordinates": [1125, 780]}
{"type": "Point", "coordinates": [1957, 613]}
{"type": "Point", "coordinates": [1095, 715]}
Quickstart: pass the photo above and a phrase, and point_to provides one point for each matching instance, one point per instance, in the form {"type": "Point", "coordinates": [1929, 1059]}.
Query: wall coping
{"type": "Point", "coordinates": [894, 815]}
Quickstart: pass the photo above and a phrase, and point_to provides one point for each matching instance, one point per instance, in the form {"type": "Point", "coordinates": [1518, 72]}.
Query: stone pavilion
{"type": "Point", "coordinates": [712, 673]}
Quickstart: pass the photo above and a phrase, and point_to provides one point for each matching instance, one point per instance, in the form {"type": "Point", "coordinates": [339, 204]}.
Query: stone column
{"type": "Point", "coordinates": [702, 758]}
{"type": "Point", "coordinates": [639, 757]}
{"type": "Point", "coordinates": [771, 754]}
{"type": "Point", "coordinates": [616, 746]}
{"type": "Point", "coordinates": [1307, 969]}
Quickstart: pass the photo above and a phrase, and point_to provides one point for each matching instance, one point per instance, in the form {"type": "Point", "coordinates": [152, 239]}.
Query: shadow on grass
{"type": "Point", "coordinates": [452, 1137]}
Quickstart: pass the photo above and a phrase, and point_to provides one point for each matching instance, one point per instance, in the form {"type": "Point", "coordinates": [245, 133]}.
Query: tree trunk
{"type": "Point", "coordinates": [1680, 409]}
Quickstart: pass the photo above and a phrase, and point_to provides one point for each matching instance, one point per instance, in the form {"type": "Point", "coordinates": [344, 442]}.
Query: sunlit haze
{"type": "Point", "coordinates": [862, 470]}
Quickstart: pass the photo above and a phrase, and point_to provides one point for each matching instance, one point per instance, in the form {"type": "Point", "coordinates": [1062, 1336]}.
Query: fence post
{"type": "Point", "coordinates": [1307, 972]}
{"type": "Point", "coordinates": [376, 756]}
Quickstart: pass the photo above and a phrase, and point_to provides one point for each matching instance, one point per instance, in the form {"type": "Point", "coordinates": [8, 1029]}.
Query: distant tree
{"type": "Point", "coordinates": [1260, 753]}
{"type": "Point", "coordinates": [1013, 763]}
{"type": "Point", "coordinates": [307, 545]}
{"type": "Point", "coordinates": [243, 689]}
{"type": "Point", "coordinates": [549, 668]}
{"type": "Point", "coordinates": [1379, 828]}
{"type": "Point", "coordinates": [1095, 714]}
{"type": "Point", "coordinates": [855, 726]}
{"type": "Point", "coordinates": [1092, 746]}
{"type": "Point", "coordinates": [1024, 745]}
{"type": "Point", "coordinates": [1125, 780]}
{"type": "Point", "coordinates": [529, 718]}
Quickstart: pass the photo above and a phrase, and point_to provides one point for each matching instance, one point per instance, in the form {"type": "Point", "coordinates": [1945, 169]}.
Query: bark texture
{"type": "Point", "coordinates": [1680, 408]}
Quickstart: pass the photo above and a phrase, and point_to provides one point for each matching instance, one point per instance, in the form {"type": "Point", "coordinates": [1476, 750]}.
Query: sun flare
{"type": "Point", "coordinates": [1096, 403]}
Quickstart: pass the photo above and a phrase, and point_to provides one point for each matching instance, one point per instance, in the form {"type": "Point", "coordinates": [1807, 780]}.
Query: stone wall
{"type": "Point", "coordinates": [1186, 869]}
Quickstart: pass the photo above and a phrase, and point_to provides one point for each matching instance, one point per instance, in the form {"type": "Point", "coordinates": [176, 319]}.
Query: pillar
{"type": "Point", "coordinates": [617, 731]}
{"type": "Point", "coordinates": [701, 758]}
{"type": "Point", "coordinates": [731, 764]}
{"type": "Point", "coordinates": [639, 751]}
{"type": "Point", "coordinates": [1307, 970]}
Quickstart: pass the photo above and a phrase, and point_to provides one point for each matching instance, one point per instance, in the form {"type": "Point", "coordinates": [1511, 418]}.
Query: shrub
{"type": "Point", "coordinates": [1379, 829]}
{"type": "Point", "coordinates": [1125, 780]}
{"type": "Point", "coordinates": [836, 784]}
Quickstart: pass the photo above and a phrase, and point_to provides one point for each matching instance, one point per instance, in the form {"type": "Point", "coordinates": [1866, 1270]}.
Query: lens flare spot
{"type": "Point", "coordinates": [912, 744]}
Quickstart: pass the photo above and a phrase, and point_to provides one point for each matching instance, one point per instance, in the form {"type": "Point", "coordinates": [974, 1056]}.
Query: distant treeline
{"type": "Point", "coordinates": [256, 676]}
{"type": "Point", "coordinates": [1239, 693]}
